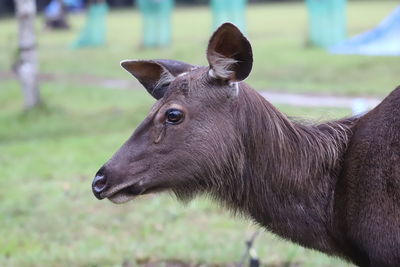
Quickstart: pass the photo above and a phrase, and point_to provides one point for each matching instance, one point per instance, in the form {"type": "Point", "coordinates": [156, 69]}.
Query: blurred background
{"type": "Point", "coordinates": [66, 106]}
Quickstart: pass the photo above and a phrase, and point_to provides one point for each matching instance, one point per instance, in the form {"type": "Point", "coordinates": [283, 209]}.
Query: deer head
{"type": "Point", "coordinates": [189, 141]}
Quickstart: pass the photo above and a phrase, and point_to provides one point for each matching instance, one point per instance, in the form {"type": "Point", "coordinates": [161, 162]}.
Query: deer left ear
{"type": "Point", "coordinates": [229, 54]}
{"type": "Point", "coordinates": [156, 75]}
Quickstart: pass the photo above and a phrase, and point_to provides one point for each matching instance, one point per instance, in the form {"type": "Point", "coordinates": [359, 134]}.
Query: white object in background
{"type": "Point", "coordinates": [359, 106]}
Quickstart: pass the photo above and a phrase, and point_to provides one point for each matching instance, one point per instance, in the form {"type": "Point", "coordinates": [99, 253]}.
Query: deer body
{"type": "Point", "coordinates": [367, 195]}
{"type": "Point", "coordinates": [333, 187]}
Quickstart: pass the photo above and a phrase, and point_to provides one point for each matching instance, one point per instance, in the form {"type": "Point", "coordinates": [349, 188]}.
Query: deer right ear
{"type": "Point", "coordinates": [150, 74]}
{"type": "Point", "coordinates": [155, 75]}
{"type": "Point", "coordinates": [229, 54]}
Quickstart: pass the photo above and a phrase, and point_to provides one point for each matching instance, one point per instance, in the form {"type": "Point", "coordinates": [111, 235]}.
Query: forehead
{"type": "Point", "coordinates": [197, 85]}
{"type": "Point", "coordinates": [195, 79]}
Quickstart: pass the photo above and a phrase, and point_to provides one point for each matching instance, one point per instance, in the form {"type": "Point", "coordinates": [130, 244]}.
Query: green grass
{"type": "Point", "coordinates": [48, 215]}
{"type": "Point", "coordinates": [277, 32]}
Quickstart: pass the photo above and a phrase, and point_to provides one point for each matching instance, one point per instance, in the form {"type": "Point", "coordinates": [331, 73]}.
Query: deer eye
{"type": "Point", "coordinates": [174, 116]}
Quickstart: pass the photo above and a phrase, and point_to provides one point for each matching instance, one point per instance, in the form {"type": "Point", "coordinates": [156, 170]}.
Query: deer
{"type": "Point", "coordinates": [329, 186]}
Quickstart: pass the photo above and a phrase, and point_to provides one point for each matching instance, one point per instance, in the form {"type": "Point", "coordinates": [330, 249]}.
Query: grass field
{"type": "Point", "coordinates": [277, 32]}
{"type": "Point", "coordinates": [48, 215]}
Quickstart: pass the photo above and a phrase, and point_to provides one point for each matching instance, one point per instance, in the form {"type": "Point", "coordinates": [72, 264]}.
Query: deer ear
{"type": "Point", "coordinates": [229, 54]}
{"type": "Point", "coordinates": [155, 75]}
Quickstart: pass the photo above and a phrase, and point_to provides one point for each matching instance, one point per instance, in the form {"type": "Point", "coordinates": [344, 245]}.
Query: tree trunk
{"type": "Point", "coordinates": [26, 66]}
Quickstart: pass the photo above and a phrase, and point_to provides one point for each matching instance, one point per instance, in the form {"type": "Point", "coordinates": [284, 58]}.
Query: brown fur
{"type": "Point", "coordinates": [333, 187]}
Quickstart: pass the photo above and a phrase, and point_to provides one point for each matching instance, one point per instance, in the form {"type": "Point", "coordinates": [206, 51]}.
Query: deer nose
{"type": "Point", "coordinates": [99, 184]}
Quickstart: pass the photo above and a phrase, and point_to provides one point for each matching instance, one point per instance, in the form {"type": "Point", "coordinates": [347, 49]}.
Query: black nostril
{"type": "Point", "coordinates": [99, 184]}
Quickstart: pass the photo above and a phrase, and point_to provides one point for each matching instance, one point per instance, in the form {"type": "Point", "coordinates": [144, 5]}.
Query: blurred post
{"type": "Point", "coordinates": [56, 15]}
{"type": "Point", "coordinates": [26, 65]}
{"type": "Point", "coordinates": [156, 22]}
{"type": "Point", "coordinates": [229, 11]}
{"type": "Point", "coordinates": [327, 21]}
{"type": "Point", "coordinates": [94, 32]}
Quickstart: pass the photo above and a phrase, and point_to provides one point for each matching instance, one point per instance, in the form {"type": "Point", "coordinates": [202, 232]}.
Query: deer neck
{"type": "Point", "coordinates": [290, 171]}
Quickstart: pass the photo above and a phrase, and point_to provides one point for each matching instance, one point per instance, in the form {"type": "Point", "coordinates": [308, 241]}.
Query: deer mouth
{"type": "Point", "coordinates": [130, 192]}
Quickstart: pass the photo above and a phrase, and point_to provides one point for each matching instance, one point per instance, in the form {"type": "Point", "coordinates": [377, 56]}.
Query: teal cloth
{"type": "Point", "coordinates": [229, 11]}
{"type": "Point", "coordinates": [327, 21]}
{"type": "Point", "coordinates": [156, 22]}
{"type": "Point", "coordinates": [94, 32]}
